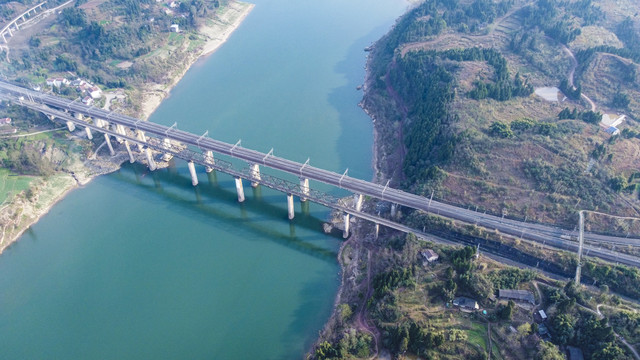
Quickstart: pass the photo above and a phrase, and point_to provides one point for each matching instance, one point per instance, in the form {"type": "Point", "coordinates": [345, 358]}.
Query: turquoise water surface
{"type": "Point", "coordinates": [141, 265]}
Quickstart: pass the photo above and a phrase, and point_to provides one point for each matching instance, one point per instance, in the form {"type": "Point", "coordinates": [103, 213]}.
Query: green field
{"type": "Point", "coordinates": [11, 184]}
{"type": "Point", "coordinates": [478, 335]}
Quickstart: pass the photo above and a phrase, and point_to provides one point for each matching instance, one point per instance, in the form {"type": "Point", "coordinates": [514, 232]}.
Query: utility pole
{"type": "Point", "coordinates": [580, 245]}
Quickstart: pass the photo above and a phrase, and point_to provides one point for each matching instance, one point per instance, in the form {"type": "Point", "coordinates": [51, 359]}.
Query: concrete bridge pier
{"type": "Point", "coordinates": [304, 187]}
{"type": "Point", "coordinates": [131, 158]}
{"type": "Point", "coordinates": [150, 161]}
{"type": "Point", "coordinates": [358, 200]}
{"type": "Point", "coordinates": [192, 171]}
{"type": "Point", "coordinates": [377, 231]}
{"type": "Point", "coordinates": [106, 138]}
{"type": "Point", "coordinates": [240, 189]}
{"type": "Point", "coordinates": [97, 122]}
{"type": "Point", "coordinates": [4, 38]}
{"type": "Point", "coordinates": [166, 143]}
{"type": "Point", "coordinates": [117, 128]}
{"type": "Point", "coordinates": [9, 30]}
{"type": "Point", "coordinates": [71, 126]}
{"type": "Point", "coordinates": [255, 174]}
{"type": "Point", "coordinates": [213, 178]}
{"type": "Point", "coordinates": [290, 208]}
{"type": "Point", "coordinates": [304, 208]}
{"type": "Point", "coordinates": [143, 139]}
{"type": "Point", "coordinates": [89, 134]}
{"type": "Point", "coordinates": [394, 210]}
{"type": "Point", "coordinates": [347, 223]}
{"type": "Point", "coordinates": [209, 159]}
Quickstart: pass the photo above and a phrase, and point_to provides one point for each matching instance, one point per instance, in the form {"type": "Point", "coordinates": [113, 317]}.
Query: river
{"type": "Point", "coordinates": [142, 265]}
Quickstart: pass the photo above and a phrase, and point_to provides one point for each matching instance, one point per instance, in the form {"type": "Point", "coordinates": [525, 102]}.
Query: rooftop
{"type": "Point", "coordinates": [522, 295]}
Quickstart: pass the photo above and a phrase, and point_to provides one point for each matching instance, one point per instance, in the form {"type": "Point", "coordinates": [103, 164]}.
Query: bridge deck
{"type": "Point", "coordinates": [531, 231]}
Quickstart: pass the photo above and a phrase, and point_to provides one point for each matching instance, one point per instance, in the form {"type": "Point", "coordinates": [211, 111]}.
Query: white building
{"type": "Point", "coordinates": [175, 28]}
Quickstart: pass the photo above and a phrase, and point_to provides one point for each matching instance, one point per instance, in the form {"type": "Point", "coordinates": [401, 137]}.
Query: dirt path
{"type": "Point", "coordinates": [33, 133]}
{"type": "Point", "coordinates": [574, 65]}
{"type": "Point", "coordinates": [361, 319]}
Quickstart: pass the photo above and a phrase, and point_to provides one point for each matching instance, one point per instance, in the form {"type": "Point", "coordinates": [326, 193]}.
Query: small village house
{"type": "Point", "coordinates": [466, 303]}
{"type": "Point", "coordinates": [429, 255]}
{"type": "Point", "coordinates": [5, 121]}
{"type": "Point", "coordinates": [517, 295]}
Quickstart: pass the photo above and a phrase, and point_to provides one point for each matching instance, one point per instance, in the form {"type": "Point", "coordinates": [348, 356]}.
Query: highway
{"type": "Point", "coordinates": [541, 233]}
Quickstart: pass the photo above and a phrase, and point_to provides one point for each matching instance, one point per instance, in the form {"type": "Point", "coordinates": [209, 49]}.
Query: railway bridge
{"type": "Point", "coordinates": [154, 140]}
{"type": "Point", "coordinates": [14, 25]}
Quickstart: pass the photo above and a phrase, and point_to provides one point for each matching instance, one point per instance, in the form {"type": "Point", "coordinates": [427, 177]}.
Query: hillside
{"type": "Point", "coordinates": [456, 87]}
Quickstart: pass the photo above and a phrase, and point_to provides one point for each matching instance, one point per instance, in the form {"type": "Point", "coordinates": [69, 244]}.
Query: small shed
{"type": "Point", "coordinates": [465, 302]}
{"type": "Point", "coordinates": [429, 255]}
{"type": "Point", "coordinates": [543, 316]}
{"type": "Point", "coordinates": [612, 130]}
{"type": "Point", "coordinates": [175, 28]}
{"type": "Point", "coordinates": [517, 295]}
{"type": "Point", "coordinates": [95, 92]}
{"type": "Point", "coordinates": [5, 121]}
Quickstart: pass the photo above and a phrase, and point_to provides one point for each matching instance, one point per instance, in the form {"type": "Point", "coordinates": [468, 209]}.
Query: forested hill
{"type": "Point", "coordinates": [452, 89]}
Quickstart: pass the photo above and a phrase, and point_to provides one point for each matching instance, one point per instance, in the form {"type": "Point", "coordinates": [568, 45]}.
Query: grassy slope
{"type": "Point", "coordinates": [489, 172]}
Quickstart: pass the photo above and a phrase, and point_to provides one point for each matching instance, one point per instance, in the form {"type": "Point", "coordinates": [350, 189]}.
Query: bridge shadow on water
{"type": "Point", "coordinates": [218, 199]}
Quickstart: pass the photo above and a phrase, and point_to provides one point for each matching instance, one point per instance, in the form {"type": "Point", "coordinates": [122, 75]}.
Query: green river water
{"type": "Point", "coordinates": [141, 265]}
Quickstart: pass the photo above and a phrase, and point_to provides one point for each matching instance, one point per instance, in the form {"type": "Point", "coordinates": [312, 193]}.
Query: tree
{"type": "Point", "coordinates": [620, 100]}
{"type": "Point", "coordinates": [618, 183]}
{"type": "Point", "coordinates": [505, 312]}
{"type": "Point", "coordinates": [500, 129]}
{"type": "Point", "coordinates": [562, 326]}
{"type": "Point", "coordinates": [610, 352]}
{"type": "Point", "coordinates": [548, 351]}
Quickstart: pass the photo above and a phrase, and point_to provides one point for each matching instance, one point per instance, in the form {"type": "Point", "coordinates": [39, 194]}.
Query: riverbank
{"type": "Point", "coordinates": [26, 208]}
{"type": "Point", "coordinates": [217, 32]}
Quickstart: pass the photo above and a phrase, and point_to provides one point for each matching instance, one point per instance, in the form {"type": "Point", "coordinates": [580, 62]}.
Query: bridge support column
{"type": "Point", "coordinates": [347, 222]}
{"type": "Point", "coordinates": [131, 158]}
{"type": "Point", "coordinates": [10, 33]}
{"type": "Point", "coordinates": [192, 171]}
{"type": "Point", "coordinates": [290, 208]}
{"type": "Point", "coordinates": [304, 186]}
{"type": "Point", "coordinates": [209, 159]}
{"type": "Point", "coordinates": [150, 161]}
{"type": "Point", "coordinates": [118, 130]}
{"type": "Point", "coordinates": [106, 138]}
{"type": "Point", "coordinates": [358, 200]}
{"type": "Point", "coordinates": [394, 210]}
{"type": "Point", "coordinates": [143, 139]}
{"type": "Point", "coordinates": [255, 174]}
{"type": "Point", "coordinates": [89, 134]}
{"type": "Point", "coordinates": [71, 126]}
{"type": "Point", "coordinates": [4, 38]}
{"type": "Point", "coordinates": [377, 231]}
{"type": "Point", "coordinates": [240, 189]}
{"type": "Point", "coordinates": [167, 145]}
{"type": "Point", "coordinates": [213, 178]}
